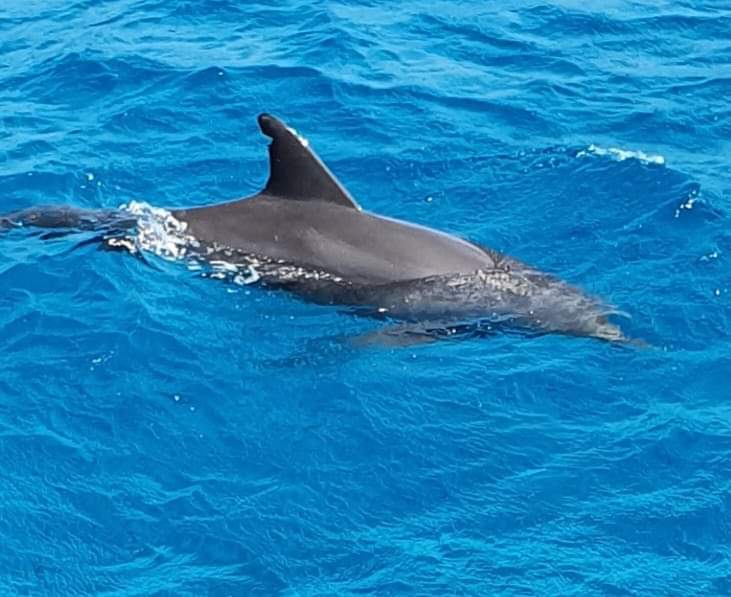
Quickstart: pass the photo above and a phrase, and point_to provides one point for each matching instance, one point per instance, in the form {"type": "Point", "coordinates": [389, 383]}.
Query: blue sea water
{"type": "Point", "coordinates": [166, 434]}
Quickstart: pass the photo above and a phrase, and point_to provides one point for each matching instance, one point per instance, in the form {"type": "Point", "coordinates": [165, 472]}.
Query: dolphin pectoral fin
{"type": "Point", "coordinates": [295, 171]}
{"type": "Point", "coordinates": [426, 332]}
{"type": "Point", "coordinates": [400, 336]}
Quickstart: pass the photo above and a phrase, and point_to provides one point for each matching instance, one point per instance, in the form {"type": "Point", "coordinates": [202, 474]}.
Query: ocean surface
{"type": "Point", "coordinates": [164, 433]}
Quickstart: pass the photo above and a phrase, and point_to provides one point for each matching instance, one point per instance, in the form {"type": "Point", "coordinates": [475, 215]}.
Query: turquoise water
{"type": "Point", "coordinates": [166, 434]}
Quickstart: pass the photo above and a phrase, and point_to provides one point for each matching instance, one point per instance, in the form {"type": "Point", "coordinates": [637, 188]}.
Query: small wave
{"type": "Point", "coordinates": [620, 155]}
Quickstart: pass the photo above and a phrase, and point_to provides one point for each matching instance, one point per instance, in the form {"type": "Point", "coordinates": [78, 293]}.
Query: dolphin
{"type": "Point", "coordinates": [303, 232]}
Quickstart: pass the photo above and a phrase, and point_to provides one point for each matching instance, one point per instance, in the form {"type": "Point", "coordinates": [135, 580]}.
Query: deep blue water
{"type": "Point", "coordinates": [165, 434]}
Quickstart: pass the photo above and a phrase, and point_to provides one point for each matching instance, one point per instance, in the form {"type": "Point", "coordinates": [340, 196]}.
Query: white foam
{"type": "Point", "coordinates": [688, 204]}
{"type": "Point", "coordinates": [619, 154]}
{"type": "Point", "coordinates": [246, 277]}
{"type": "Point", "coordinates": [159, 232]}
{"type": "Point", "coordinates": [241, 274]}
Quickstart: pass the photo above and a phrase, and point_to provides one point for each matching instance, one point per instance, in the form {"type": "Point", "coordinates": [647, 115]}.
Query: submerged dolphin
{"type": "Point", "coordinates": [305, 233]}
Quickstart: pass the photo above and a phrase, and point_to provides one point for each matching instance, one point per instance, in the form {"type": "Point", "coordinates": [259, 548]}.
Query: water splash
{"type": "Point", "coordinates": [158, 231]}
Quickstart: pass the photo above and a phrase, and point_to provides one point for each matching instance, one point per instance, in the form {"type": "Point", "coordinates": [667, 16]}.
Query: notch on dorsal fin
{"type": "Point", "coordinates": [295, 171]}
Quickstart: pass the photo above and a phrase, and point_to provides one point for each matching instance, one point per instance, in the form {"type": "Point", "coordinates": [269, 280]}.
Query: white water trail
{"type": "Point", "coordinates": [620, 155]}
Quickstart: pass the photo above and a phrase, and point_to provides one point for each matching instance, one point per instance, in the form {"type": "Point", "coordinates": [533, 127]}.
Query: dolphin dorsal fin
{"type": "Point", "coordinates": [295, 171]}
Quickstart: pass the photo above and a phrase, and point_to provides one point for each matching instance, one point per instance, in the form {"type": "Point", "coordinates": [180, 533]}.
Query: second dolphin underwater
{"type": "Point", "coordinates": [305, 233]}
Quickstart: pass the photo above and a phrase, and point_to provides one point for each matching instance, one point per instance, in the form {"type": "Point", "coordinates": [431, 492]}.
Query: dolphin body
{"type": "Point", "coordinates": [305, 233]}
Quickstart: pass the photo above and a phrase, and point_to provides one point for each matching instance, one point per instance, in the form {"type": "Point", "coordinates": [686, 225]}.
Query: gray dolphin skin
{"type": "Point", "coordinates": [305, 233]}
